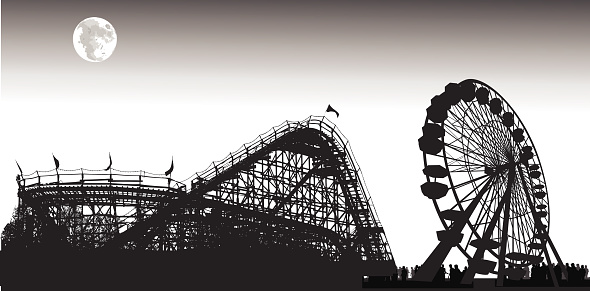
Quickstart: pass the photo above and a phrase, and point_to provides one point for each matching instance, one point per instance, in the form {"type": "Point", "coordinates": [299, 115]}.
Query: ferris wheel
{"type": "Point", "coordinates": [485, 179]}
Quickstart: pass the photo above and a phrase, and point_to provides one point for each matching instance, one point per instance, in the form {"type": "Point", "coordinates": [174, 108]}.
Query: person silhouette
{"type": "Point", "coordinates": [557, 271]}
{"type": "Point", "coordinates": [570, 273]}
{"type": "Point", "coordinates": [544, 271]}
{"type": "Point", "coordinates": [440, 276]}
{"type": "Point", "coordinates": [450, 269]}
{"type": "Point", "coordinates": [455, 275]}
{"type": "Point", "coordinates": [536, 273]}
{"type": "Point", "coordinates": [404, 273]}
{"type": "Point", "coordinates": [412, 272]}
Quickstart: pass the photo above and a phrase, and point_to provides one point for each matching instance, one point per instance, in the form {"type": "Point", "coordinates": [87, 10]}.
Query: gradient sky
{"type": "Point", "coordinates": [195, 80]}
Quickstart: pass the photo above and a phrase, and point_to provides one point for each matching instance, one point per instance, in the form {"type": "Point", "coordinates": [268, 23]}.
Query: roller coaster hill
{"type": "Point", "coordinates": [287, 210]}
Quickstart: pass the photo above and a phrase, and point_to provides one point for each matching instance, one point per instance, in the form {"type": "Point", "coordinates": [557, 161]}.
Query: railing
{"type": "Point", "coordinates": [113, 177]}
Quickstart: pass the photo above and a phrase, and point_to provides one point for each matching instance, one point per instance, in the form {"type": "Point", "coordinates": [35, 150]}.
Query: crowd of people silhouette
{"type": "Point", "coordinates": [536, 274]}
{"type": "Point", "coordinates": [454, 274]}
{"type": "Point", "coordinates": [576, 273]}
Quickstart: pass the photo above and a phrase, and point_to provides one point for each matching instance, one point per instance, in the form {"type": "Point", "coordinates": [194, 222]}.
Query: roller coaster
{"type": "Point", "coordinates": [295, 189]}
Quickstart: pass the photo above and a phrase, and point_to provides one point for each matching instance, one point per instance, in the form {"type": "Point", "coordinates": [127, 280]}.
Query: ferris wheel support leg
{"type": "Point", "coordinates": [550, 267]}
{"type": "Point", "coordinates": [559, 261]}
{"type": "Point", "coordinates": [501, 262]}
{"type": "Point", "coordinates": [437, 257]}
{"type": "Point", "coordinates": [428, 270]}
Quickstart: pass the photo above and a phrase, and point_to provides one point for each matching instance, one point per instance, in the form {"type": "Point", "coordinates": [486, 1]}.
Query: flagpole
{"type": "Point", "coordinates": [56, 161]}
{"type": "Point", "coordinates": [110, 169]}
{"type": "Point", "coordinates": [21, 177]}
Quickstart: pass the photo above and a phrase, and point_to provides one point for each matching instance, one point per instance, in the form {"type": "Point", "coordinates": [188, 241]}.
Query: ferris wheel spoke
{"type": "Point", "coordinates": [468, 119]}
{"type": "Point", "coordinates": [525, 228]}
{"type": "Point", "coordinates": [494, 203]}
{"type": "Point", "coordinates": [472, 131]}
{"type": "Point", "coordinates": [458, 149]}
{"type": "Point", "coordinates": [466, 170]}
{"type": "Point", "coordinates": [471, 134]}
{"type": "Point", "coordinates": [522, 229]}
{"type": "Point", "coordinates": [485, 211]}
{"type": "Point", "coordinates": [521, 206]}
{"type": "Point", "coordinates": [479, 222]}
{"type": "Point", "coordinates": [475, 227]}
{"type": "Point", "coordinates": [494, 129]}
{"type": "Point", "coordinates": [498, 147]}
{"type": "Point", "coordinates": [458, 139]}
{"type": "Point", "coordinates": [463, 167]}
{"type": "Point", "coordinates": [461, 149]}
{"type": "Point", "coordinates": [490, 151]}
{"type": "Point", "coordinates": [456, 160]}
{"type": "Point", "coordinates": [469, 182]}
{"type": "Point", "coordinates": [478, 111]}
{"type": "Point", "coordinates": [482, 190]}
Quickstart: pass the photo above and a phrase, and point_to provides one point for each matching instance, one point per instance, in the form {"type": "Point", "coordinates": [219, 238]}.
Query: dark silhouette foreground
{"type": "Point", "coordinates": [184, 270]}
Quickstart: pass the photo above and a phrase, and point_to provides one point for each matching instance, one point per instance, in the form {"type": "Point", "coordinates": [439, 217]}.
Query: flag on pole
{"type": "Point", "coordinates": [171, 168]}
{"type": "Point", "coordinates": [19, 169]}
{"type": "Point", "coordinates": [330, 109]}
{"type": "Point", "coordinates": [56, 162]}
{"type": "Point", "coordinates": [110, 163]}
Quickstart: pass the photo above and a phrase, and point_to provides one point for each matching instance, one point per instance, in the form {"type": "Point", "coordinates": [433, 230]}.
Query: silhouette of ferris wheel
{"type": "Point", "coordinates": [486, 181]}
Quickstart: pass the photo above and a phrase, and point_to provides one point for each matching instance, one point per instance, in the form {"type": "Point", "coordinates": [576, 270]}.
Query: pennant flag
{"type": "Point", "coordinates": [56, 162]}
{"type": "Point", "coordinates": [330, 109]}
{"type": "Point", "coordinates": [110, 163]}
{"type": "Point", "coordinates": [171, 168]}
{"type": "Point", "coordinates": [19, 169]}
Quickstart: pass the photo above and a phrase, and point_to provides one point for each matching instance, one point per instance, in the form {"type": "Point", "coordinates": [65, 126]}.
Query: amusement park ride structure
{"type": "Point", "coordinates": [298, 188]}
{"type": "Point", "coordinates": [475, 145]}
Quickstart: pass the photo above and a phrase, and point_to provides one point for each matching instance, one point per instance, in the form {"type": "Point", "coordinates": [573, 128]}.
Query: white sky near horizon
{"type": "Point", "coordinates": [199, 118]}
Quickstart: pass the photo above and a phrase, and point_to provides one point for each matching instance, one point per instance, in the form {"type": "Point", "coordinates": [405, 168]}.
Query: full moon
{"type": "Point", "coordinates": [95, 39]}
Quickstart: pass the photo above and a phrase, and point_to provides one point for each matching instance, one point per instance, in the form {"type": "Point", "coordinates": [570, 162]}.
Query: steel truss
{"type": "Point", "coordinates": [296, 187]}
